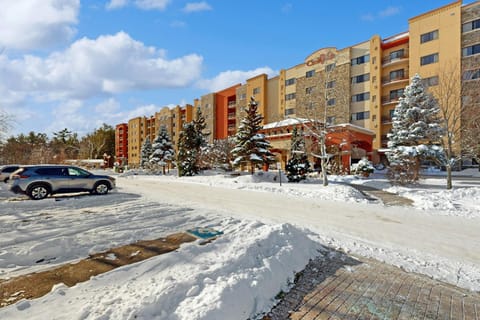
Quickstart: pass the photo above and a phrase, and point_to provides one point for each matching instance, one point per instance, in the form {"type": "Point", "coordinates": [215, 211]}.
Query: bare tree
{"type": "Point", "coordinates": [327, 101]}
{"type": "Point", "coordinates": [459, 119]}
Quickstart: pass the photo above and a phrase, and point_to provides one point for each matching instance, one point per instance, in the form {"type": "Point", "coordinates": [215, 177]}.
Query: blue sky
{"type": "Point", "coordinates": [77, 64]}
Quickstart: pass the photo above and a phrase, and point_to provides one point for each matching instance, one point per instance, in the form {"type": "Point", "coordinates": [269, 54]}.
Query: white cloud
{"type": "Point", "coordinates": [109, 106]}
{"type": "Point", "coordinates": [107, 65]}
{"type": "Point", "coordinates": [388, 12]}
{"type": "Point", "coordinates": [152, 4]}
{"type": "Point", "coordinates": [197, 6]}
{"type": "Point", "coordinates": [178, 24]}
{"type": "Point", "coordinates": [385, 13]}
{"type": "Point", "coordinates": [142, 111]}
{"type": "Point", "coordinates": [115, 4]}
{"type": "Point", "coordinates": [37, 24]}
{"type": "Point", "coordinates": [228, 78]}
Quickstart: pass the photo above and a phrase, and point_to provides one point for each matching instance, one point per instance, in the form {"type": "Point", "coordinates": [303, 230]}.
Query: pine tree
{"type": "Point", "coordinates": [416, 132]}
{"type": "Point", "coordinates": [187, 151]}
{"type": "Point", "coordinates": [162, 150]}
{"type": "Point", "coordinates": [298, 165]}
{"type": "Point", "coordinates": [145, 153]}
{"type": "Point", "coordinates": [202, 137]}
{"type": "Point", "coordinates": [251, 147]}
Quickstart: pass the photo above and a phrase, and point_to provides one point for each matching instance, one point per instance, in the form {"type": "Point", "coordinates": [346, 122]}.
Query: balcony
{"type": "Point", "coordinates": [391, 80]}
{"type": "Point", "coordinates": [231, 104]}
{"type": "Point", "coordinates": [386, 120]}
{"type": "Point", "coordinates": [394, 59]}
{"type": "Point", "coordinates": [389, 100]}
{"type": "Point", "coordinates": [231, 116]}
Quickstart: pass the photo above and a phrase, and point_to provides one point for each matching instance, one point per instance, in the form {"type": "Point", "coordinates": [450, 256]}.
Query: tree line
{"type": "Point", "coordinates": [38, 148]}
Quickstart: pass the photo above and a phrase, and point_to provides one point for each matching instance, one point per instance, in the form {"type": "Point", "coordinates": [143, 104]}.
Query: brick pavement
{"type": "Point", "coordinates": [341, 287]}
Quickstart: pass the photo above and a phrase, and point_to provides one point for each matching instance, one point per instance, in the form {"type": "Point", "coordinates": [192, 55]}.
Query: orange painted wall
{"type": "Point", "coordinates": [221, 108]}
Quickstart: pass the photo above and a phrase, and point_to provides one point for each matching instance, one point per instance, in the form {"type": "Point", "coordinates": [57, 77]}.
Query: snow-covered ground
{"type": "Point", "coordinates": [270, 231]}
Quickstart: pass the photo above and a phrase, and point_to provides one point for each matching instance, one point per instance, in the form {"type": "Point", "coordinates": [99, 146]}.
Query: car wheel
{"type": "Point", "coordinates": [101, 188]}
{"type": "Point", "coordinates": [38, 192]}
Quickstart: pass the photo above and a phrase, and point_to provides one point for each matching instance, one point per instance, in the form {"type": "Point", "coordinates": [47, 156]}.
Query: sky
{"type": "Point", "coordinates": [78, 64]}
{"type": "Point", "coordinates": [263, 244]}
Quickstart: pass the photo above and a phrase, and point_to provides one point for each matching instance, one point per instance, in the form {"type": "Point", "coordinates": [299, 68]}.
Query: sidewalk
{"type": "Point", "coordinates": [343, 287]}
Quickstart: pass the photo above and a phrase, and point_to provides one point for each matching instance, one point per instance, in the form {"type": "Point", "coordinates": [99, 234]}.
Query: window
{"type": "Point", "coordinates": [397, 54]}
{"type": "Point", "coordinates": [289, 82]}
{"type": "Point", "coordinates": [360, 115]}
{"type": "Point", "coordinates": [431, 58]}
{"type": "Point", "coordinates": [397, 74]}
{"type": "Point", "coordinates": [331, 120]}
{"type": "Point", "coordinates": [396, 94]}
{"type": "Point", "coordinates": [361, 97]}
{"type": "Point", "coordinates": [471, 74]}
{"type": "Point", "coordinates": [361, 78]}
{"type": "Point", "coordinates": [256, 90]}
{"type": "Point", "coordinates": [310, 74]}
{"type": "Point", "coordinates": [330, 84]}
{"type": "Point", "coordinates": [289, 111]}
{"type": "Point", "coordinates": [429, 36]}
{"type": "Point", "coordinates": [360, 60]}
{"type": "Point", "coordinates": [329, 67]}
{"type": "Point", "coordinates": [431, 81]}
{"type": "Point", "coordinates": [243, 96]}
{"type": "Point", "coordinates": [309, 90]}
{"type": "Point", "coordinates": [331, 102]}
{"type": "Point", "coordinates": [290, 96]}
{"type": "Point", "coordinates": [472, 25]}
{"type": "Point", "coordinates": [470, 51]}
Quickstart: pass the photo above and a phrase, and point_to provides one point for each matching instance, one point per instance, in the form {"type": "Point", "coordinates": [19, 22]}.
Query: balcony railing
{"type": "Point", "coordinates": [386, 120]}
{"type": "Point", "coordinates": [231, 116]}
{"type": "Point", "coordinates": [231, 104]}
{"type": "Point", "coordinates": [386, 80]}
{"type": "Point", "coordinates": [388, 99]}
{"type": "Point", "coordinates": [396, 58]}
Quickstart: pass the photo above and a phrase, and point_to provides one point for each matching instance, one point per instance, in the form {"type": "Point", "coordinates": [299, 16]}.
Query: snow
{"type": "Point", "coordinates": [270, 231]}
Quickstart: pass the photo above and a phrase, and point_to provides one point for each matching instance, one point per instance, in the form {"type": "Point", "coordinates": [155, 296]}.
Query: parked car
{"type": "Point", "coordinates": [40, 181]}
{"type": "Point", "coordinates": [6, 171]}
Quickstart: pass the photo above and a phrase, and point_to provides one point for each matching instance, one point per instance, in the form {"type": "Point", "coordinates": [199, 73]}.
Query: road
{"type": "Point", "coordinates": [397, 228]}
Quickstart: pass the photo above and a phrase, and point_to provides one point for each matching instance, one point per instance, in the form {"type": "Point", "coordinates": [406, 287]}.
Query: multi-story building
{"type": "Point", "coordinates": [359, 85]}
{"type": "Point", "coordinates": [121, 143]}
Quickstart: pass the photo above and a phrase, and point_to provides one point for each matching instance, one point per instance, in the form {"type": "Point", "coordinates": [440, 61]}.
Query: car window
{"type": "Point", "coordinates": [50, 171]}
{"type": "Point", "coordinates": [77, 172]}
{"type": "Point", "coordinates": [9, 169]}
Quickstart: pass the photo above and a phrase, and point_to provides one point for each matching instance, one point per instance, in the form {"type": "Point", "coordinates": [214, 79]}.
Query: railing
{"type": "Point", "coordinates": [232, 104]}
{"type": "Point", "coordinates": [386, 80]}
{"type": "Point", "coordinates": [389, 59]}
{"type": "Point", "coordinates": [387, 99]}
{"type": "Point", "coordinates": [231, 116]}
{"type": "Point", "coordinates": [386, 120]}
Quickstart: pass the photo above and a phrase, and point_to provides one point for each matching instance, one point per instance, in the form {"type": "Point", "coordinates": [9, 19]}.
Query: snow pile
{"type": "Point", "coordinates": [234, 277]}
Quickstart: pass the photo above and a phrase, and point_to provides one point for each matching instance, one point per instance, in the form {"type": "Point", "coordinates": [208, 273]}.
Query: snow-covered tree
{"type": "Point", "coordinates": [219, 154]}
{"type": "Point", "coordinates": [251, 147]}
{"type": "Point", "coordinates": [416, 133]}
{"type": "Point", "coordinates": [298, 165]}
{"type": "Point", "coordinates": [163, 152]}
{"type": "Point", "coordinates": [145, 153]}
{"type": "Point", "coordinates": [202, 138]}
{"type": "Point", "coordinates": [187, 157]}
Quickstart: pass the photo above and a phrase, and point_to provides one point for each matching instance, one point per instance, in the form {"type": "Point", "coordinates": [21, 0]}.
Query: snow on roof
{"type": "Point", "coordinates": [284, 123]}
{"type": "Point", "coordinates": [396, 37]}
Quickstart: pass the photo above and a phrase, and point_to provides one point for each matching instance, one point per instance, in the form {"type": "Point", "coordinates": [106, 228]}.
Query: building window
{"type": "Point", "coordinates": [309, 90]}
{"type": "Point", "coordinates": [431, 58]}
{"type": "Point", "coordinates": [330, 84]}
{"type": "Point", "coordinates": [429, 36]}
{"type": "Point", "coordinates": [397, 74]}
{"type": "Point", "coordinates": [361, 78]}
{"type": "Point", "coordinates": [430, 81]}
{"type": "Point", "coordinates": [472, 25]}
{"type": "Point", "coordinates": [470, 51]}
{"type": "Point", "coordinates": [310, 74]}
{"type": "Point", "coordinates": [360, 60]}
{"type": "Point", "coordinates": [331, 102]}
{"type": "Point", "coordinates": [330, 67]}
{"type": "Point", "coordinates": [361, 97]}
{"type": "Point", "coordinates": [290, 96]}
{"type": "Point", "coordinates": [331, 120]}
{"type": "Point", "coordinates": [471, 74]}
{"type": "Point", "coordinates": [360, 115]}
{"type": "Point", "coordinates": [289, 111]}
{"type": "Point", "coordinates": [243, 96]}
{"type": "Point", "coordinates": [289, 82]}
{"type": "Point", "coordinates": [396, 94]}
{"type": "Point", "coordinates": [256, 90]}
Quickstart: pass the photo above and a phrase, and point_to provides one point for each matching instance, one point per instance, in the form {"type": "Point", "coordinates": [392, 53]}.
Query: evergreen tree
{"type": "Point", "coordinates": [188, 151]}
{"type": "Point", "coordinates": [162, 150]}
{"type": "Point", "coordinates": [298, 165]}
{"type": "Point", "coordinates": [251, 147]}
{"type": "Point", "coordinates": [145, 153]}
{"type": "Point", "coordinates": [201, 139]}
{"type": "Point", "coordinates": [416, 132]}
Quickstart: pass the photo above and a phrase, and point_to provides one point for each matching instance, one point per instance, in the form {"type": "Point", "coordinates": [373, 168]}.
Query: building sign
{"type": "Point", "coordinates": [320, 58]}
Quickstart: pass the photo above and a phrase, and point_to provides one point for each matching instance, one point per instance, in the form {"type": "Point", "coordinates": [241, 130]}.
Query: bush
{"type": "Point", "coordinates": [363, 167]}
